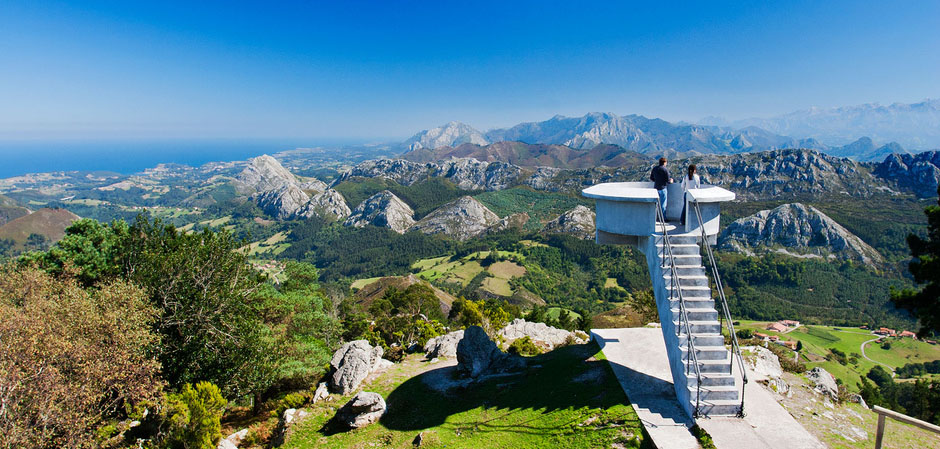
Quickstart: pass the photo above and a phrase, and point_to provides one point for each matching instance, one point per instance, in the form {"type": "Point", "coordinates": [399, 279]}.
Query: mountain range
{"type": "Point", "coordinates": [850, 132]}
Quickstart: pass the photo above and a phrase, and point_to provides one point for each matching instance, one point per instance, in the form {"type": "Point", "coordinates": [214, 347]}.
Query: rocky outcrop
{"type": "Point", "coordinates": [444, 345]}
{"type": "Point", "coordinates": [766, 367]}
{"type": "Point", "coordinates": [329, 205]}
{"type": "Point", "coordinates": [824, 382]}
{"type": "Point", "coordinates": [351, 364]}
{"type": "Point", "coordinates": [451, 134]}
{"type": "Point", "coordinates": [461, 219]}
{"type": "Point", "coordinates": [284, 202]}
{"type": "Point", "coordinates": [578, 222]}
{"type": "Point", "coordinates": [232, 441]}
{"type": "Point", "coordinates": [263, 174]}
{"type": "Point", "coordinates": [541, 334]}
{"type": "Point", "coordinates": [515, 221]}
{"type": "Point", "coordinates": [918, 174]}
{"type": "Point", "coordinates": [320, 394]}
{"type": "Point", "coordinates": [383, 209]}
{"type": "Point", "coordinates": [477, 355]}
{"type": "Point", "coordinates": [466, 173]}
{"type": "Point", "coordinates": [314, 186]}
{"type": "Point", "coordinates": [797, 230]}
{"type": "Point", "coordinates": [287, 423]}
{"type": "Point", "coordinates": [363, 409]}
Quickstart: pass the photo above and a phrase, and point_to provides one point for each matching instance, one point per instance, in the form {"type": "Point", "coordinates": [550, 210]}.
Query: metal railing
{"type": "Point", "coordinates": [883, 412]}
{"type": "Point", "coordinates": [692, 359]}
{"type": "Point", "coordinates": [735, 348]}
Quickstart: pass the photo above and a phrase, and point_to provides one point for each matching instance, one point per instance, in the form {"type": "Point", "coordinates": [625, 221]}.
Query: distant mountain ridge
{"type": "Point", "coordinates": [914, 125]}
{"type": "Point", "coordinates": [564, 139]}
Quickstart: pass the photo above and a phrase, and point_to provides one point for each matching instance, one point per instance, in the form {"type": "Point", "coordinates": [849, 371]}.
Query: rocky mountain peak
{"type": "Point", "coordinates": [578, 222]}
{"type": "Point", "coordinates": [329, 205]}
{"type": "Point", "coordinates": [798, 230]}
{"type": "Point", "coordinates": [263, 174]}
{"type": "Point", "coordinates": [383, 209]}
{"type": "Point", "coordinates": [451, 134]}
{"type": "Point", "coordinates": [462, 218]}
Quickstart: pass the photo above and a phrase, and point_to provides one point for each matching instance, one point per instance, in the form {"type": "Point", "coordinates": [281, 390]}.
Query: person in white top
{"type": "Point", "coordinates": [690, 181]}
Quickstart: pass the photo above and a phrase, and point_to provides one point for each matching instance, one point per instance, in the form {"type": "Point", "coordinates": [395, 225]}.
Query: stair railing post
{"type": "Point", "coordinates": [692, 359]}
{"type": "Point", "coordinates": [726, 313]}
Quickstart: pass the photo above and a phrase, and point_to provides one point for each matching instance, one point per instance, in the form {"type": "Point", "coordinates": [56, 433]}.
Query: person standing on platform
{"type": "Point", "coordinates": [660, 178]}
{"type": "Point", "coordinates": [690, 181]}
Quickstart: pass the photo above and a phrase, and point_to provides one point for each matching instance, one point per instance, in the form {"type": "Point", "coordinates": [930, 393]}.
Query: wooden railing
{"type": "Point", "coordinates": [883, 412]}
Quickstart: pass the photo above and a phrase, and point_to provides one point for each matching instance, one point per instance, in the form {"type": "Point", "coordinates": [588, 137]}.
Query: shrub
{"type": "Point", "coordinates": [745, 334]}
{"type": "Point", "coordinates": [194, 416]}
{"type": "Point", "coordinates": [291, 400]}
{"type": "Point", "coordinates": [524, 347]}
{"type": "Point", "coordinates": [787, 363]}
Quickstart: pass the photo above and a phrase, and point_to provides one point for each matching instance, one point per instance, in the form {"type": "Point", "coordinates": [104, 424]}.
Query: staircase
{"type": "Point", "coordinates": [702, 371]}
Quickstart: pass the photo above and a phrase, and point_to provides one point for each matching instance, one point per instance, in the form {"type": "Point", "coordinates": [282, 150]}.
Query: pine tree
{"type": "Point", "coordinates": [925, 267]}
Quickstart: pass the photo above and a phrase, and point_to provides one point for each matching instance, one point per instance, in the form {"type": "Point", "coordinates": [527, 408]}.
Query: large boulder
{"type": "Point", "coordinates": [363, 409]}
{"type": "Point", "coordinates": [444, 345]}
{"type": "Point", "coordinates": [478, 355]}
{"type": "Point", "coordinates": [232, 441]}
{"type": "Point", "coordinates": [766, 364]}
{"type": "Point", "coordinates": [825, 383]}
{"type": "Point", "coordinates": [540, 333]}
{"type": "Point", "coordinates": [351, 364]}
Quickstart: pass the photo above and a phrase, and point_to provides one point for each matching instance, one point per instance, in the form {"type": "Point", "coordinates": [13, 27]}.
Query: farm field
{"type": "Point", "coordinates": [819, 340]}
{"type": "Point", "coordinates": [460, 272]}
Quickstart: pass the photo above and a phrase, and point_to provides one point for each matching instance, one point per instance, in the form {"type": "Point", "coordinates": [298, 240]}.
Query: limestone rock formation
{"type": "Point", "coordinates": [578, 222]}
{"type": "Point", "coordinates": [283, 202]}
{"type": "Point", "coordinates": [329, 205]}
{"type": "Point", "coordinates": [919, 173]}
{"type": "Point", "coordinates": [825, 383]}
{"type": "Point", "coordinates": [286, 424]}
{"type": "Point", "coordinates": [351, 364]}
{"type": "Point", "coordinates": [477, 355]}
{"type": "Point", "coordinates": [515, 221]}
{"type": "Point", "coordinates": [466, 173]}
{"type": "Point", "coordinates": [232, 441]}
{"type": "Point", "coordinates": [461, 219]}
{"type": "Point", "coordinates": [797, 230]}
{"type": "Point", "coordinates": [263, 174]}
{"type": "Point", "coordinates": [363, 409]}
{"type": "Point", "coordinates": [314, 185]}
{"type": "Point", "coordinates": [444, 345]}
{"type": "Point", "coordinates": [451, 134]}
{"type": "Point", "coordinates": [540, 333]}
{"type": "Point", "coordinates": [320, 394]}
{"type": "Point", "coordinates": [383, 209]}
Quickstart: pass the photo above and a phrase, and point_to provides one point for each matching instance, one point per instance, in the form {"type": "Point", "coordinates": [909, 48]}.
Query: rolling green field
{"type": "Point", "coordinates": [541, 206]}
{"type": "Point", "coordinates": [819, 340]}
{"type": "Point", "coordinates": [460, 272]}
{"type": "Point", "coordinates": [566, 398]}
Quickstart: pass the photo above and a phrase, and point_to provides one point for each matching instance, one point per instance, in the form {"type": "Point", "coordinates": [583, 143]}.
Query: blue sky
{"type": "Point", "coordinates": [383, 70]}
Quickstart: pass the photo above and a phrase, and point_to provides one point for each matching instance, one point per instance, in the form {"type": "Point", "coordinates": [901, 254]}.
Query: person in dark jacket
{"type": "Point", "coordinates": [660, 178]}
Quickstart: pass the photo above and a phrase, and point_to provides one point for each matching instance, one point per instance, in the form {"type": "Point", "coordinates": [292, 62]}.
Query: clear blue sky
{"type": "Point", "coordinates": [364, 70]}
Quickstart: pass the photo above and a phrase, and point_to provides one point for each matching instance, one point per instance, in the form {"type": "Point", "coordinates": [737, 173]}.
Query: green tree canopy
{"type": "Point", "coordinates": [925, 267]}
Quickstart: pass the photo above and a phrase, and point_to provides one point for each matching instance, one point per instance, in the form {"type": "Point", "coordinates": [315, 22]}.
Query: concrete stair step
{"type": "Point", "coordinates": [715, 380]}
{"type": "Point", "coordinates": [713, 339]}
{"type": "Point", "coordinates": [687, 270]}
{"type": "Point", "coordinates": [713, 366]}
{"type": "Point", "coordinates": [705, 352]}
{"type": "Point", "coordinates": [695, 314]}
{"type": "Point", "coordinates": [678, 240]}
{"type": "Point", "coordinates": [719, 407]}
{"type": "Point", "coordinates": [678, 248]}
{"type": "Point", "coordinates": [689, 280]}
{"type": "Point", "coordinates": [727, 393]}
{"type": "Point", "coordinates": [698, 327]}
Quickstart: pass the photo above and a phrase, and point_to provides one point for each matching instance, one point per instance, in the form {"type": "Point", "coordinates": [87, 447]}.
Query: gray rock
{"type": "Point", "coordinates": [451, 134]}
{"type": "Point", "coordinates": [461, 219]}
{"type": "Point", "coordinates": [540, 333]}
{"type": "Point", "coordinates": [824, 382]}
{"type": "Point", "coordinates": [232, 441]}
{"type": "Point", "coordinates": [284, 202]}
{"type": "Point", "coordinates": [578, 222]}
{"type": "Point", "coordinates": [351, 364]}
{"type": "Point", "coordinates": [515, 221]}
{"type": "Point", "coordinates": [329, 205]}
{"type": "Point", "coordinates": [363, 409]}
{"type": "Point", "coordinates": [263, 174]}
{"type": "Point", "coordinates": [919, 173]}
{"type": "Point", "coordinates": [477, 355]}
{"type": "Point", "coordinates": [797, 230]}
{"type": "Point", "coordinates": [314, 185]}
{"type": "Point", "coordinates": [766, 364]}
{"type": "Point", "coordinates": [320, 394]}
{"type": "Point", "coordinates": [383, 209]}
{"type": "Point", "coordinates": [443, 346]}
{"type": "Point", "coordinates": [285, 426]}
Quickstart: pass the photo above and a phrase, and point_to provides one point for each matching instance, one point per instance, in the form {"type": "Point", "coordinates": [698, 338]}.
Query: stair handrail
{"type": "Point", "coordinates": [683, 313]}
{"type": "Point", "coordinates": [735, 348]}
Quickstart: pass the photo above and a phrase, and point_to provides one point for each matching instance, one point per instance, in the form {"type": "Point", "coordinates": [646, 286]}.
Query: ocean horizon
{"type": "Point", "coordinates": [131, 156]}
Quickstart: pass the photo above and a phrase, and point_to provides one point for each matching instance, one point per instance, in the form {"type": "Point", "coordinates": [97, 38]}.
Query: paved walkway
{"type": "Point", "coordinates": [638, 358]}
{"type": "Point", "coordinates": [890, 368]}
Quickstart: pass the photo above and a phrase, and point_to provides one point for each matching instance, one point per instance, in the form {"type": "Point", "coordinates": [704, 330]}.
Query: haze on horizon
{"type": "Point", "coordinates": [372, 71]}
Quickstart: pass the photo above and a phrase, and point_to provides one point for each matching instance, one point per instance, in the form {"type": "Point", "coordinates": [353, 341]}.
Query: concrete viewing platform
{"type": "Point", "coordinates": [647, 381]}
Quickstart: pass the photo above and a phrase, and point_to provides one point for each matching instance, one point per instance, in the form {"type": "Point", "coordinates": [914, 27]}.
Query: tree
{"type": "Point", "coordinates": [194, 417]}
{"type": "Point", "coordinates": [36, 242]}
{"type": "Point", "coordinates": [799, 346]}
{"type": "Point", "coordinates": [74, 363]}
{"type": "Point", "coordinates": [925, 267]}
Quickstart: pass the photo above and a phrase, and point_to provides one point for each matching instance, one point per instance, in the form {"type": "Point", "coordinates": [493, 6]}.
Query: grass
{"type": "Point", "coordinates": [359, 283]}
{"type": "Point", "coordinates": [566, 398]}
{"type": "Point", "coordinates": [553, 313]}
{"type": "Point", "coordinates": [446, 270]}
{"type": "Point", "coordinates": [819, 340]}
{"type": "Point", "coordinates": [612, 283]}
{"type": "Point", "coordinates": [541, 206]}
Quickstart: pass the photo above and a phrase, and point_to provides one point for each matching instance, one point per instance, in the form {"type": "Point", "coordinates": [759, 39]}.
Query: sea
{"type": "Point", "coordinates": [36, 156]}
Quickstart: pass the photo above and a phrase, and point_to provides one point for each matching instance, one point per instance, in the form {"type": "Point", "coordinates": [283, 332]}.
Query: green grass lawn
{"type": "Point", "coordinates": [461, 271]}
{"type": "Point", "coordinates": [567, 398]}
{"type": "Point", "coordinates": [818, 340]}
{"type": "Point", "coordinates": [359, 283]}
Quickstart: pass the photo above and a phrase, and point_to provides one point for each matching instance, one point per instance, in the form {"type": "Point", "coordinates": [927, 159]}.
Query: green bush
{"type": "Point", "coordinates": [194, 416]}
{"type": "Point", "coordinates": [745, 334]}
{"type": "Point", "coordinates": [524, 347]}
{"type": "Point", "coordinates": [291, 400]}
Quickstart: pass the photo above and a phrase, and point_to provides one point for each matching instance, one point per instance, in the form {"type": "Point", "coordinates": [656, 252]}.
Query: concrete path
{"type": "Point", "coordinates": [890, 368]}
{"type": "Point", "coordinates": [638, 357]}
